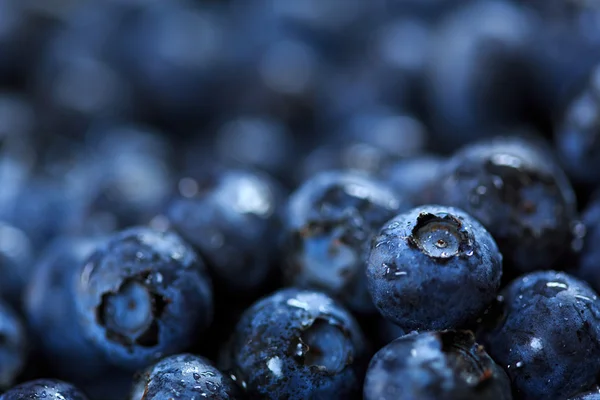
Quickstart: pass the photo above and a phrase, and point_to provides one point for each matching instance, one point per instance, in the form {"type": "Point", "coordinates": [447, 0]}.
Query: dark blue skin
{"type": "Point", "coordinates": [230, 217]}
{"type": "Point", "coordinates": [545, 334]}
{"type": "Point", "coordinates": [16, 263]}
{"type": "Point", "coordinates": [444, 365]}
{"type": "Point", "coordinates": [184, 376]}
{"type": "Point", "coordinates": [577, 135]}
{"type": "Point", "coordinates": [51, 313]}
{"type": "Point", "coordinates": [413, 177]}
{"type": "Point", "coordinates": [13, 346]}
{"type": "Point", "coordinates": [588, 261]}
{"type": "Point", "coordinates": [385, 332]}
{"type": "Point", "coordinates": [433, 267]}
{"type": "Point", "coordinates": [143, 295]}
{"type": "Point", "coordinates": [297, 344]}
{"type": "Point", "coordinates": [328, 225]}
{"type": "Point", "coordinates": [48, 389]}
{"type": "Point", "coordinates": [483, 88]}
{"type": "Point", "coordinates": [514, 187]}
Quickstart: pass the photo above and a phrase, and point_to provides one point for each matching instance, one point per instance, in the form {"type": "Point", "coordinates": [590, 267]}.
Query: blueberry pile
{"type": "Point", "coordinates": [300, 199]}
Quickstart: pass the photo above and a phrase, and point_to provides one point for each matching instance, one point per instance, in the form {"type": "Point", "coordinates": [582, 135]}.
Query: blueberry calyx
{"type": "Point", "coordinates": [441, 237]}
{"type": "Point", "coordinates": [325, 346]}
{"type": "Point", "coordinates": [130, 314]}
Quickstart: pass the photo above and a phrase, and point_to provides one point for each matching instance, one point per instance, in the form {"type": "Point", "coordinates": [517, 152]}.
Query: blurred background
{"type": "Point", "coordinates": [110, 108]}
{"type": "Point", "coordinates": [107, 106]}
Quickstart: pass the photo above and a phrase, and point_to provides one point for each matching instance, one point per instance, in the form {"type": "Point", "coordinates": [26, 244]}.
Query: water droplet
{"type": "Point", "coordinates": [196, 376]}
{"type": "Point", "coordinates": [211, 387]}
{"type": "Point", "coordinates": [298, 304]}
{"type": "Point", "coordinates": [519, 364]}
{"type": "Point", "coordinates": [158, 277]}
{"type": "Point", "coordinates": [557, 285]}
{"type": "Point", "coordinates": [536, 344]}
{"type": "Point", "coordinates": [274, 365]}
{"type": "Point", "coordinates": [498, 182]}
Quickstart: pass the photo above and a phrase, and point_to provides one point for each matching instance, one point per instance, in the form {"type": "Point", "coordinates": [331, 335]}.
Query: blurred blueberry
{"type": "Point", "coordinates": [16, 263]}
{"type": "Point", "coordinates": [478, 71]}
{"type": "Point", "coordinates": [50, 309]}
{"type": "Point", "coordinates": [258, 143]}
{"type": "Point", "coordinates": [13, 346]}
{"type": "Point", "coordinates": [75, 80]}
{"type": "Point", "coordinates": [130, 174]}
{"type": "Point", "coordinates": [413, 177]}
{"type": "Point", "coordinates": [230, 216]}
{"type": "Point", "coordinates": [329, 223]}
{"type": "Point", "coordinates": [172, 53]}
{"type": "Point", "coordinates": [577, 135]}
{"type": "Point", "coordinates": [366, 142]}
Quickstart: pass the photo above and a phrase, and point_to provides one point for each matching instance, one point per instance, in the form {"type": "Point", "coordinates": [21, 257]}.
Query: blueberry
{"type": "Point", "coordinates": [414, 177]}
{"type": "Point", "coordinates": [13, 346]}
{"type": "Point", "coordinates": [329, 223]}
{"type": "Point", "coordinates": [514, 187]}
{"type": "Point", "coordinates": [433, 267]}
{"type": "Point", "coordinates": [230, 217]}
{"type": "Point", "coordinates": [44, 388]}
{"type": "Point", "coordinates": [143, 295]}
{"type": "Point", "coordinates": [587, 267]}
{"type": "Point", "coordinates": [478, 71]}
{"type": "Point", "coordinates": [435, 365]}
{"type": "Point", "coordinates": [297, 344]}
{"type": "Point", "coordinates": [184, 376]}
{"type": "Point", "coordinates": [16, 261]}
{"type": "Point", "coordinates": [51, 313]}
{"type": "Point", "coordinates": [578, 134]}
{"type": "Point", "coordinates": [546, 335]}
